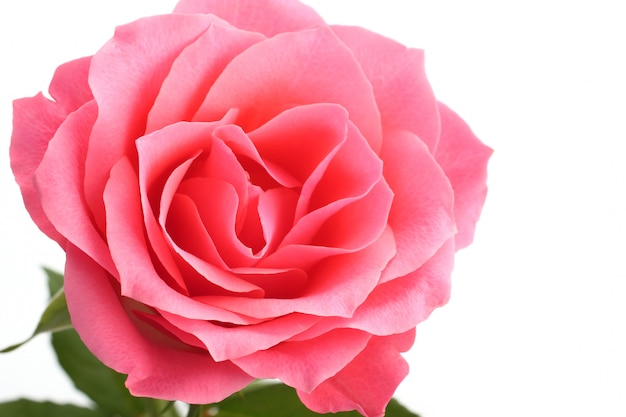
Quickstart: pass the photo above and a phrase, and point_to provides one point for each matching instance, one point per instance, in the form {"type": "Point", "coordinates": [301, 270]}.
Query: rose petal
{"type": "Point", "coordinates": [299, 139]}
{"type": "Point", "coordinates": [61, 173]}
{"type": "Point", "coordinates": [367, 383]}
{"type": "Point", "coordinates": [69, 85]}
{"type": "Point", "coordinates": [281, 81]}
{"type": "Point", "coordinates": [266, 16]}
{"type": "Point", "coordinates": [160, 159]}
{"type": "Point", "coordinates": [194, 71]}
{"type": "Point", "coordinates": [196, 248]}
{"type": "Point", "coordinates": [421, 216]}
{"type": "Point", "coordinates": [337, 286]}
{"type": "Point", "coordinates": [260, 174]}
{"type": "Point", "coordinates": [305, 365]}
{"type": "Point", "coordinates": [398, 305]}
{"type": "Point", "coordinates": [351, 172]}
{"type": "Point", "coordinates": [403, 94]}
{"type": "Point", "coordinates": [125, 76]}
{"type": "Point", "coordinates": [154, 369]}
{"type": "Point", "coordinates": [464, 160]}
{"type": "Point", "coordinates": [126, 237]}
{"type": "Point", "coordinates": [35, 120]}
{"type": "Point", "coordinates": [225, 343]}
{"type": "Point", "coordinates": [222, 164]}
{"type": "Point", "coordinates": [217, 203]}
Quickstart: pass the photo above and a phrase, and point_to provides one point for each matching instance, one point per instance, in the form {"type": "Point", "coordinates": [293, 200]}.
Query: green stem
{"type": "Point", "coordinates": [194, 410]}
{"type": "Point", "coordinates": [168, 410]}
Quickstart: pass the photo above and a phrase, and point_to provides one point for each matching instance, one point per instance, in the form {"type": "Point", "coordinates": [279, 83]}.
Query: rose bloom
{"type": "Point", "coordinates": [245, 192]}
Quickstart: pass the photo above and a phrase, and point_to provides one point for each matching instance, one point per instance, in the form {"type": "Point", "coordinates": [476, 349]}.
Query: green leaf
{"type": "Point", "coordinates": [28, 408]}
{"type": "Point", "coordinates": [100, 383]}
{"type": "Point", "coordinates": [279, 400]}
{"type": "Point", "coordinates": [55, 281]}
{"type": "Point", "coordinates": [54, 318]}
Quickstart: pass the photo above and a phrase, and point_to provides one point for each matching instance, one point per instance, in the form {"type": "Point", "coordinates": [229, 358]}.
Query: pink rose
{"type": "Point", "coordinates": [246, 192]}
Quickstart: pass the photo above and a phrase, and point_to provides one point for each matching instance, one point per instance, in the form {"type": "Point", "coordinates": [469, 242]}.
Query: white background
{"type": "Point", "coordinates": [537, 321]}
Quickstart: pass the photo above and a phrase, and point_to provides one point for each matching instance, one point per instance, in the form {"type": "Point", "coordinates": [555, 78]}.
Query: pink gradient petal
{"type": "Point", "coordinates": [353, 171]}
{"type": "Point", "coordinates": [159, 240]}
{"type": "Point", "coordinates": [337, 286]}
{"type": "Point", "coordinates": [401, 304]}
{"type": "Point", "coordinates": [126, 237]}
{"type": "Point", "coordinates": [277, 283]}
{"type": "Point", "coordinates": [281, 80]}
{"type": "Point", "coordinates": [276, 209]}
{"type": "Point", "coordinates": [347, 176]}
{"type": "Point", "coordinates": [266, 16]}
{"type": "Point", "coordinates": [464, 160]}
{"type": "Point", "coordinates": [217, 203]}
{"type": "Point", "coordinates": [226, 343]}
{"type": "Point", "coordinates": [404, 95]}
{"type": "Point", "coordinates": [305, 365]}
{"type": "Point", "coordinates": [194, 71]}
{"type": "Point", "coordinates": [35, 120]}
{"type": "Point", "coordinates": [59, 182]}
{"type": "Point", "coordinates": [163, 163]}
{"type": "Point", "coordinates": [367, 383]}
{"type": "Point", "coordinates": [300, 138]}
{"type": "Point", "coordinates": [261, 174]}
{"type": "Point", "coordinates": [422, 215]}
{"type": "Point", "coordinates": [187, 235]}
{"type": "Point", "coordinates": [154, 369]}
{"type": "Point", "coordinates": [358, 224]}
{"type": "Point", "coordinates": [196, 249]}
{"type": "Point", "coordinates": [125, 77]}
{"type": "Point", "coordinates": [222, 164]}
{"type": "Point", "coordinates": [69, 85]}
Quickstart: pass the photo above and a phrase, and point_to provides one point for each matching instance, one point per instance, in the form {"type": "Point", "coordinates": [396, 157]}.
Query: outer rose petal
{"type": "Point", "coordinates": [270, 77]}
{"type": "Point", "coordinates": [60, 177]}
{"type": "Point", "coordinates": [154, 369]}
{"type": "Point", "coordinates": [69, 87]}
{"type": "Point", "coordinates": [194, 71]}
{"type": "Point", "coordinates": [35, 120]}
{"type": "Point", "coordinates": [304, 365]}
{"type": "Point", "coordinates": [401, 304]}
{"type": "Point", "coordinates": [464, 160]}
{"type": "Point", "coordinates": [269, 17]}
{"type": "Point", "coordinates": [368, 382]}
{"type": "Point", "coordinates": [422, 212]}
{"type": "Point", "coordinates": [403, 94]}
{"type": "Point", "coordinates": [126, 76]}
